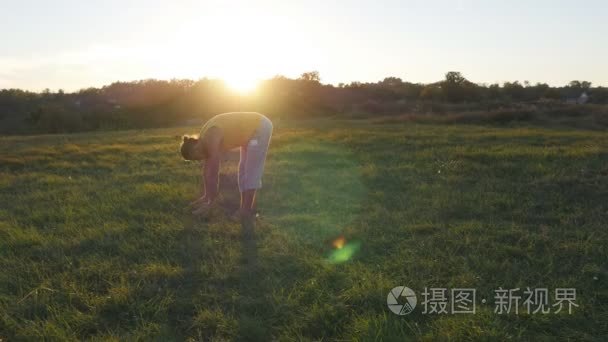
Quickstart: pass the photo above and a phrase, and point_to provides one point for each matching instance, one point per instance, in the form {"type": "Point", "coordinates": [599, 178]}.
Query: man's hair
{"type": "Point", "coordinates": [187, 149]}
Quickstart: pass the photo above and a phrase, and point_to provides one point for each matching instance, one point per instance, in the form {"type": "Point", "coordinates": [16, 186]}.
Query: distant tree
{"type": "Point", "coordinates": [552, 93]}
{"type": "Point", "coordinates": [454, 77]}
{"type": "Point", "coordinates": [494, 91]}
{"type": "Point", "coordinates": [55, 118]}
{"type": "Point", "coordinates": [158, 103]}
{"type": "Point", "coordinates": [411, 90]}
{"type": "Point", "coordinates": [514, 90]}
{"type": "Point", "coordinates": [579, 85]}
{"type": "Point", "coordinates": [458, 89]}
{"type": "Point", "coordinates": [432, 92]}
{"type": "Point", "coordinates": [534, 92]}
{"type": "Point", "coordinates": [392, 82]}
{"type": "Point", "coordinates": [599, 95]}
{"type": "Point", "coordinates": [575, 88]}
{"type": "Point", "coordinates": [312, 76]}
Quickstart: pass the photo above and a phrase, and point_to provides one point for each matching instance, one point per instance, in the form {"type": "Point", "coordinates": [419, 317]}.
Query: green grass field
{"type": "Point", "coordinates": [95, 242]}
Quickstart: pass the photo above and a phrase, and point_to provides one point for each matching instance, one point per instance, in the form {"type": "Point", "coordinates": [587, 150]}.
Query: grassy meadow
{"type": "Point", "coordinates": [95, 241]}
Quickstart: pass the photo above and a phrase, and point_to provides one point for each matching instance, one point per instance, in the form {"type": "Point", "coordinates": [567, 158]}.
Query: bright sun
{"type": "Point", "coordinates": [242, 54]}
{"type": "Point", "coordinates": [241, 83]}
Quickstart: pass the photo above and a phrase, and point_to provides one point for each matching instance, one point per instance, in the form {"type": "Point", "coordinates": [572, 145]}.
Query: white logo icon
{"type": "Point", "coordinates": [402, 294]}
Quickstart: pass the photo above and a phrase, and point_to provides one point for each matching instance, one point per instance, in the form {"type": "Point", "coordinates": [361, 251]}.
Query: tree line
{"type": "Point", "coordinates": [160, 103]}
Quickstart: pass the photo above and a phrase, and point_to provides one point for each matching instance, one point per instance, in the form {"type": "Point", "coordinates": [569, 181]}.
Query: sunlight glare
{"type": "Point", "coordinates": [241, 83]}
{"type": "Point", "coordinates": [242, 53]}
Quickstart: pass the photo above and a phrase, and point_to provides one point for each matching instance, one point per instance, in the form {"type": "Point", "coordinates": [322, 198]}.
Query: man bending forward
{"type": "Point", "coordinates": [250, 132]}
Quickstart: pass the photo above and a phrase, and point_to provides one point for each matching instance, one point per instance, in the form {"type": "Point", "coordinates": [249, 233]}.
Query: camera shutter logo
{"type": "Point", "coordinates": [401, 300]}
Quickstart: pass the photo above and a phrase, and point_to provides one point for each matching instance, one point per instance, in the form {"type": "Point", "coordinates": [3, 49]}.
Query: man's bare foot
{"type": "Point", "coordinates": [243, 214]}
{"type": "Point", "coordinates": [198, 201]}
{"type": "Point", "coordinates": [202, 209]}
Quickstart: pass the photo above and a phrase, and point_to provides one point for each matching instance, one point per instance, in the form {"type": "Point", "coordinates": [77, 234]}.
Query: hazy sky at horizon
{"type": "Point", "coordinates": [71, 44]}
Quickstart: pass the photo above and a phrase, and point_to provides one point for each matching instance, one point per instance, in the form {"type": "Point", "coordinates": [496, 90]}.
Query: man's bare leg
{"type": "Point", "coordinates": [246, 213]}
{"type": "Point", "coordinates": [248, 202]}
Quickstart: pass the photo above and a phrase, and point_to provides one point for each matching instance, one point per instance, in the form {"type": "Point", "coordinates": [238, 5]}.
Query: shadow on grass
{"type": "Point", "coordinates": [252, 288]}
{"type": "Point", "coordinates": [240, 294]}
{"type": "Point", "coordinates": [181, 313]}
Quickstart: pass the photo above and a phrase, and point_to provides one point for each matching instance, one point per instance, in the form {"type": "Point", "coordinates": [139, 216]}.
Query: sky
{"type": "Point", "coordinates": [70, 45]}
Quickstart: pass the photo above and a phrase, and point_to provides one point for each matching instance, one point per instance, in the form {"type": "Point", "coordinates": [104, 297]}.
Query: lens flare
{"type": "Point", "coordinates": [343, 251]}
{"type": "Point", "coordinates": [339, 242]}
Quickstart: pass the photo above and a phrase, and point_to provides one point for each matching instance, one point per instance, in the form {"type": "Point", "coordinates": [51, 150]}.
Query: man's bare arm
{"type": "Point", "coordinates": [213, 140]}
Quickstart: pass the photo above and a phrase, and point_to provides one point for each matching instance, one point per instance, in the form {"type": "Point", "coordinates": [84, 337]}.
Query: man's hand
{"type": "Point", "coordinates": [211, 168]}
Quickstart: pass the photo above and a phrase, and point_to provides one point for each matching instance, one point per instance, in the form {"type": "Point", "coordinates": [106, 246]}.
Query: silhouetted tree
{"type": "Point", "coordinates": [458, 89]}
{"type": "Point", "coordinates": [312, 76]}
{"type": "Point", "coordinates": [157, 103]}
{"type": "Point", "coordinates": [514, 90]}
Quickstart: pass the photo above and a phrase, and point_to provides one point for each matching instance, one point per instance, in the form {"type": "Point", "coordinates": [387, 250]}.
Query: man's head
{"type": "Point", "coordinates": [190, 149]}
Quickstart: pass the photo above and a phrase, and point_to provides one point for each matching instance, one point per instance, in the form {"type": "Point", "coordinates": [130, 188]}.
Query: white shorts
{"type": "Point", "coordinates": [253, 156]}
